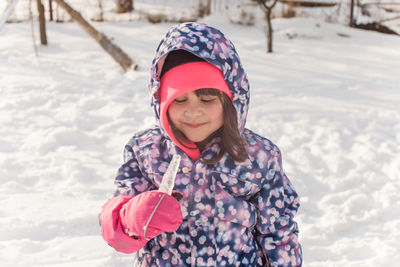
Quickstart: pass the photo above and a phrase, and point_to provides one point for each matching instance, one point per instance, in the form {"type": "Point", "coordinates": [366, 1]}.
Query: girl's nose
{"type": "Point", "coordinates": [193, 111]}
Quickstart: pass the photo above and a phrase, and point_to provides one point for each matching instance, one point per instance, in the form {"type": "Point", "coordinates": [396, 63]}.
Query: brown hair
{"type": "Point", "coordinates": [231, 141]}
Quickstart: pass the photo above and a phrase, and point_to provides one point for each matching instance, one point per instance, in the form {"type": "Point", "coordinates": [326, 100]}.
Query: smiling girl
{"type": "Point", "coordinates": [233, 205]}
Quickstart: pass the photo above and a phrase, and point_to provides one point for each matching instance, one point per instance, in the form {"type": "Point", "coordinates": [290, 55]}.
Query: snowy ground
{"type": "Point", "coordinates": [329, 97]}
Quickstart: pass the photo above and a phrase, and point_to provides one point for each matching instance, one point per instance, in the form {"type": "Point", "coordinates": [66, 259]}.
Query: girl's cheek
{"type": "Point", "coordinates": [174, 113]}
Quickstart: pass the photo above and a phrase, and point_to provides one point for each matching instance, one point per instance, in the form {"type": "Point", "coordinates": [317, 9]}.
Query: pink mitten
{"type": "Point", "coordinates": [150, 214]}
{"type": "Point", "coordinates": [112, 230]}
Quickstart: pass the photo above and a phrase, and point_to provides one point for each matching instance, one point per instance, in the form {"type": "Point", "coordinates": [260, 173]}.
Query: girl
{"type": "Point", "coordinates": [233, 205]}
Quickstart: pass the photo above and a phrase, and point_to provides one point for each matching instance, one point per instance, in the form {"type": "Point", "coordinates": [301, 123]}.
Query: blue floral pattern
{"type": "Point", "coordinates": [234, 214]}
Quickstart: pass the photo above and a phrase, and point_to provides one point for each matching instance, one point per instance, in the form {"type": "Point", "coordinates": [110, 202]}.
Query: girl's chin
{"type": "Point", "coordinates": [197, 140]}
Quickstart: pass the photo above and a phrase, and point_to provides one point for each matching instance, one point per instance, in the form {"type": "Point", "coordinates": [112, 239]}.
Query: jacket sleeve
{"type": "Point", "coordinates": [276, 231]}
{"type": "Point", "coordinates": [129, 182]}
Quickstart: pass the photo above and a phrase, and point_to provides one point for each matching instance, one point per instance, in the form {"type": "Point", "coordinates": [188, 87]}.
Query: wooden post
{"type": "Point", "coordinates": [114, 51]}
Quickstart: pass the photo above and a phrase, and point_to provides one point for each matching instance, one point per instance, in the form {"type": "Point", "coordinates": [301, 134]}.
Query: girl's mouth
{"type": "Point", "coordinates": [194, 125]}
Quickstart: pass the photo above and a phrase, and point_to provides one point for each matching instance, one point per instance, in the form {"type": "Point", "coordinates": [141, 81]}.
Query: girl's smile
{"type": "Point", "coordinates": [197, 125]}
{"type": "Point", "coordinates": [197, 117]}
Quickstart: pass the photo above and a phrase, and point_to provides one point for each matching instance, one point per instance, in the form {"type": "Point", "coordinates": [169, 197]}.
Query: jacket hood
{"type": "Point", "coordinates": [211, 45]}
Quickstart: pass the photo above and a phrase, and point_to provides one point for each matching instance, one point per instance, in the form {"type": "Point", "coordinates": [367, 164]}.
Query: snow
{"type": "Point", "coordinates": [328, 97]}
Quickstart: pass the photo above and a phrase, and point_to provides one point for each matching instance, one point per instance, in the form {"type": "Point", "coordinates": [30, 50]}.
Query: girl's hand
{"type": "Point", "coordinates": [150, 214]}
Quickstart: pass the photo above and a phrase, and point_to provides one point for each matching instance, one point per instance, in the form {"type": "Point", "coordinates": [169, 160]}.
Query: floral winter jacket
{"type": "Point", "coordinates": [234, 214]}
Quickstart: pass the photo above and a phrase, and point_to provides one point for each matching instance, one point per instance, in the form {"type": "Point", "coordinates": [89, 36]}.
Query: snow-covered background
{"type": "Point", "coordinates": [329, 97]}
{"type": "Point", "coordinates": [386, 12]}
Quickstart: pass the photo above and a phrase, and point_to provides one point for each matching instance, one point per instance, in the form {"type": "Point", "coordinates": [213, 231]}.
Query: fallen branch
{"type": "Point", "coordinates": [380, 4]}
{"type": "Point", "coordinates": [296, 3]}
{"type": "Point", "coordinates": [114, 51]}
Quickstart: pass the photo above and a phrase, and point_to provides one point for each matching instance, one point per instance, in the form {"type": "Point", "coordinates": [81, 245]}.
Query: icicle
{"type": "Point", "coordinates": [168, 181]}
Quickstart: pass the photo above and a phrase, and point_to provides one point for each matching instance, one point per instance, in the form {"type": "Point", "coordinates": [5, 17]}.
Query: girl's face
{"type": "Point", "coordinates": [196, 116]}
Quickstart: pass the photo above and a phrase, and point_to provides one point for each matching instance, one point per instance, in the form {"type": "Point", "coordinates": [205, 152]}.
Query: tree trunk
{"type": "Point", "coordinates": [124, 6]}
{"type": "Point", "coordinates": [42, 23]}
{"type": "Point", "coordinates": [269, 33]}
{"type": "Point", "coordinates": [208, 8]}
{"type": "Point", "coordinates": [32, 28]}
{"type": "Point", "coordinates": [351, 13]}
{"type": "Point", "coordinates": [8, 11]}
{"type": "Point", "coordinates": [51, 9]}
{"type": "Point", "coordinates": [114, 51]}
{"type": "Point", "coordinates": [268, 10]}
{"type": "Point", "coordinates": [101, 12]}
{"type": "Point", "coordinates": [204, 9]}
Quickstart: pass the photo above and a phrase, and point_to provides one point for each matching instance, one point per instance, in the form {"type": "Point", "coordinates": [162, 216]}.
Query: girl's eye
{"type": "Point", "coordinates": [182, 100]}
{"type": "Point", "coordinates": [208, 100]}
